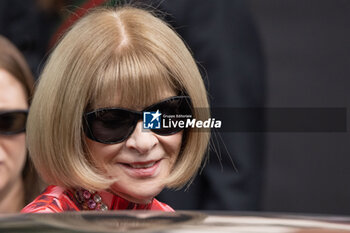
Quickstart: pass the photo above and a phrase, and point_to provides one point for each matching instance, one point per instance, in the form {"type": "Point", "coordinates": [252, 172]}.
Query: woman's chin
{"type": "Point", "coordinates": [139, 199]}
{"type": "Point", "coordinates": [140, 196]}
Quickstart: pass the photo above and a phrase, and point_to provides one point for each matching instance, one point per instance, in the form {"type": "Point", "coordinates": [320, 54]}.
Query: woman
{"type": "Point", "coordinates": [85, 131]}
{"type": "Point", "coordinates": [18, 181]}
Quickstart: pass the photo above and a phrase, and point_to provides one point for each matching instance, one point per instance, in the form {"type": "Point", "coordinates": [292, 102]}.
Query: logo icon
{"type": "Point", "coordinates": [151, 120]}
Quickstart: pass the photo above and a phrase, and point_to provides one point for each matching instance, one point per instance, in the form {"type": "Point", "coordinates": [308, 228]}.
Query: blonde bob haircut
{"type": "Point", "coordinates": [126, 54]}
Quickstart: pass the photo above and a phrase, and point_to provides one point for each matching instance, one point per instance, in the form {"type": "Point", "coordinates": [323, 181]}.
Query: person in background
{"type": "Point", "coordinates": [85, 130]}
{"type": "Point", "coordinates": [18, 179]}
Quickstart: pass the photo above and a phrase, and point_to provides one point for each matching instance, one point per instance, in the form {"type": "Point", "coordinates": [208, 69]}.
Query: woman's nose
{"type": "Point", "coordinates": [142, 140]}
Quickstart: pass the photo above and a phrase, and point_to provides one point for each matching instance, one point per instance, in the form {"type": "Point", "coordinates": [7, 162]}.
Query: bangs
{"type": "Point", "coordinates": [135, 79]}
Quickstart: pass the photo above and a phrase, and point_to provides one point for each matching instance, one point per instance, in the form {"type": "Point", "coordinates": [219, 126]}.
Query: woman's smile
{"type": "Point", "coordinates": [141, 169]}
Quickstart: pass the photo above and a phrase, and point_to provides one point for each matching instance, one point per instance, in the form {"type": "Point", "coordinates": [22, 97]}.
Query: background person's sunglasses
{"type": "Point", "coordinates": [13, 122]}
{"type": "Point", "coordinates": [114, 125]}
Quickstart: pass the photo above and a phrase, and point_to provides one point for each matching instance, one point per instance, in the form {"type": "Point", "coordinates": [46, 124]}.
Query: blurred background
{"type": "Point", "coordinates": [307, 54]}
{"type": "Point", "coordinates": [271, 53]}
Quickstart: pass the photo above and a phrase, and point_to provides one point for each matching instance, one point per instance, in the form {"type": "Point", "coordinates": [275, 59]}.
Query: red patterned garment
{"type": "Point", "coordinates": [56, 199]}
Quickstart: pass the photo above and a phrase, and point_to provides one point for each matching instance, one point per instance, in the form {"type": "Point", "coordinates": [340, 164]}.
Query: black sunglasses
{"type": "Point", "coordinates": [13, 122]}
{"type": "Point", "coordinates": [114, 125]}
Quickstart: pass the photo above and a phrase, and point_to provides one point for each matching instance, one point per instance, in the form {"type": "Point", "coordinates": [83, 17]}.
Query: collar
{"type": "Point", "coordinates": [103, 200]}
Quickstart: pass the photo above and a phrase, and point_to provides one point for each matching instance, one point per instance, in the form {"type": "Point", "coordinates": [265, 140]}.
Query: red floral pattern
{"type": "Point", "coordinates": [56, 199]}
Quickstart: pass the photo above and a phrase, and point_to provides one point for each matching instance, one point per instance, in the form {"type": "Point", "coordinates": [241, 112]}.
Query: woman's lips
{"type": "Point", "coordinates": [141, 169]}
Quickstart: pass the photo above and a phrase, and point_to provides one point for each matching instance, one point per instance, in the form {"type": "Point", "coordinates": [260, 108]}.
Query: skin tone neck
{"type": "Point", "coordinates": [12, 197]}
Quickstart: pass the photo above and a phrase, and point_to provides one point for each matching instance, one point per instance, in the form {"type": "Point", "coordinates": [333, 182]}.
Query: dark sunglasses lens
{"type": "Point", "coordinates": [109, 126]}
{"type": "Point", "coordinates": [12, 122]}
{"type": "Point", "coordinates": [173, 107]}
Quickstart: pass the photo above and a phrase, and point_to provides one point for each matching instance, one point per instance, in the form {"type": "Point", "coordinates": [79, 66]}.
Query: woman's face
{"type": "Point", "coordinates": [12, 147]}
{"type": "Point", "coordinates": [140, 163]}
